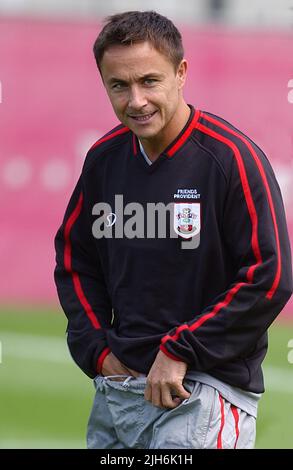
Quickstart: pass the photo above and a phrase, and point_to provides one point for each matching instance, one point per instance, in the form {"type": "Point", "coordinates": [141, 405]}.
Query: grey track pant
{"type": "Point", "coordinates": [122, 419]}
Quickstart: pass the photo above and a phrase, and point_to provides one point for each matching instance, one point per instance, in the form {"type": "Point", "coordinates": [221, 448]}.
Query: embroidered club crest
{"type": "Point", "coordinates": [187, 219]}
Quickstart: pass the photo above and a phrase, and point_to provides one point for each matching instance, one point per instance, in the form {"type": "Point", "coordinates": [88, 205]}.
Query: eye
{"type": "Point", "coordinates": [118, 86]}
{"type": "Point", "coordinates": [150, 81]}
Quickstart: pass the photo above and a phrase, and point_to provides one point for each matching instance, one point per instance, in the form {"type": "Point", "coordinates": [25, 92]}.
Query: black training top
{"type": "Point", "coordinates": [136, 289]}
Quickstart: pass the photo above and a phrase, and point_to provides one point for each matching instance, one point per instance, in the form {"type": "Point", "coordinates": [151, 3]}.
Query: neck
{"type": "Point", "coordinates": [156, 145]}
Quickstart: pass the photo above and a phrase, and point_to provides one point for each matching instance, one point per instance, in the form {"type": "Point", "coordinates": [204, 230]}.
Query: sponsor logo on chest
{"type": "Point", "coordinates": [187, 194]}
{"type": "Point", "coordinates": [187, 219]}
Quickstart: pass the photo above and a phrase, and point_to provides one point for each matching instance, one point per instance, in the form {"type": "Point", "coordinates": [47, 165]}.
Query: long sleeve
{"type": "Point", "coordinates": [255, 239]}
{"type": "Point", "coordinates": [81, 287]}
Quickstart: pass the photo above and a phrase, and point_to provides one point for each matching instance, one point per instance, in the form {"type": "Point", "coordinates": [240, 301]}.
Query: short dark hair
{"type": "Point", "coordinates": [138, 26]}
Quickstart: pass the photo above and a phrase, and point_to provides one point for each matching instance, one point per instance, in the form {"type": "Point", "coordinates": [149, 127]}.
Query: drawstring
{"type": "Point", "coordinates": [115, 376]}
{"type": "Point", "coordinates": [127, 378]}
{"type": "Point", "coordinates": [125, 383]}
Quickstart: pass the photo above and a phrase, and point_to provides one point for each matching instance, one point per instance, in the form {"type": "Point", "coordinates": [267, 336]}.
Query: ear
{"type": "Point", "coordinates": [182, 73]}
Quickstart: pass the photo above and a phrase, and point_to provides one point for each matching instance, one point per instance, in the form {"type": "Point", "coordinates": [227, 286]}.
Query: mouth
{"type": "Point", "coordinates": [142, 117]}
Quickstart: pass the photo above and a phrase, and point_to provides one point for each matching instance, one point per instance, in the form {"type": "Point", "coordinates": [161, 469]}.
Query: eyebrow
{"type": "Point", "coordinates": [143, 77]}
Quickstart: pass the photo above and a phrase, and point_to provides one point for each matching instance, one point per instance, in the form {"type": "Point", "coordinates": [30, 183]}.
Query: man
{"type": "Point", "coordinates": [170, 313]}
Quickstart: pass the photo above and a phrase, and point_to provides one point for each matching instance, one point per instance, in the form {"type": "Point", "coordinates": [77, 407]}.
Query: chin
{"type": "Point", "coordinates": [146, 132]}
{"type": "Point", "coordinates": [145, 135]}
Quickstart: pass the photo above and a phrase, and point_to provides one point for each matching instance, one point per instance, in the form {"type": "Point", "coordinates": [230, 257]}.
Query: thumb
{"type": "Point", "coordinates": [181, 392]}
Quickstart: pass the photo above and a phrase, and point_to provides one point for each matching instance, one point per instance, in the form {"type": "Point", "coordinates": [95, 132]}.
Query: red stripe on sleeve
{"type": "Point", "coordinates": [102, 356]}
{"type": "Point", "coordinates": [69, 224]}
{"type": "Point", "coordinates": [247, 194]}
{"type": "Point", "coordinates": [231, 293]}
{"type": "Point", "coordinates": [68, 264]}
{"type": "Point", "coordinates": [259, 165]}
{"type": "Point", "coordinates": [82, 298]}
{"type": "Point", "coordinates": [123, 130]}
{"type": "Point", "coordinates": [170, 355]}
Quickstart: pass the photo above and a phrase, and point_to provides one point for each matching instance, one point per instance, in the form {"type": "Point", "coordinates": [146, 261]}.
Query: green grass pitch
{"type": "Point", "coordinates": [45, 399]}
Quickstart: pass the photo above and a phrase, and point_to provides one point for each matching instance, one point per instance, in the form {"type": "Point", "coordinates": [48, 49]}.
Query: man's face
{"type": "Point", "coordinates": [143, 87]}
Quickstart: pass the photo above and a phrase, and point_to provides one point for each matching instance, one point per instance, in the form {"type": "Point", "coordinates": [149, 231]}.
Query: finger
{"type": "Point", "coordinates": [177, 401]}
{"type": "Point", "coordinates": [180, 391]}
{"type": "Point", "coordinates": [167, 400]}
{"type": "Point", "coordinates": [148, 393]}
{"type": "Point", "coordinates": [156, 396]}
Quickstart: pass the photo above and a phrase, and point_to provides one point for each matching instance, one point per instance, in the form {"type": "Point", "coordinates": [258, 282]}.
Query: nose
{"type": "Point", "coordinates": [137, 99]}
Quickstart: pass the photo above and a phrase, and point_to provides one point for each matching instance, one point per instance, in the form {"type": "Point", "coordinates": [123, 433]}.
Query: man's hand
{"type": "Point", "coordinates": [164, 382]}
{"type": "Point", "coordinates": [112, 366]}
